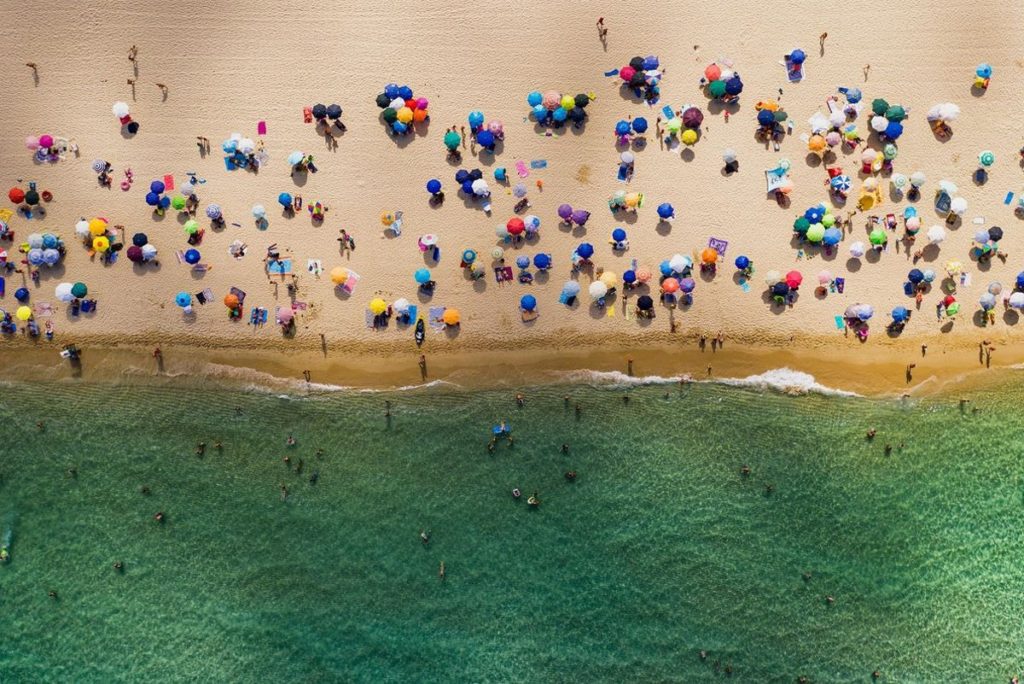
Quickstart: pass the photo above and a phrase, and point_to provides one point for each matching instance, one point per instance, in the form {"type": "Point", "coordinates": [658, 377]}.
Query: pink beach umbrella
{"type": "Point", "coordinates": [825, 277]}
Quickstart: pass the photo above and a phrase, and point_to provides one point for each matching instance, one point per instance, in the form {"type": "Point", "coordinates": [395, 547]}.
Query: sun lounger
{"type": "Point", "coordinates": [263, 316]}
{"type": "Point", "coordinates": [238, 293]}
{"type": "Point", "coordinates": [254, 316]}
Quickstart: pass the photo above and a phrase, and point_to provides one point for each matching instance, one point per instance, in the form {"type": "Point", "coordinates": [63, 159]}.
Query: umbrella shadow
{"type": "Point", "coordinates": [930, 253]}
{"type": "Point", "coordinates": [664, 228]}
{"type": "Point", "coordinates": [687, 155]}
{"type": "Point", "coordinates": [777, 309]}
{"type": "Point", "coordinates": [300, 178]}
{"type": "Point", "coordinates": [1011, 317]}
{"type": "Point", "coordinates": [853, 264]}
{"type": "Point", "coordinates": [814, 161]}
{"type": "Point", "coordinates": [979, 319]}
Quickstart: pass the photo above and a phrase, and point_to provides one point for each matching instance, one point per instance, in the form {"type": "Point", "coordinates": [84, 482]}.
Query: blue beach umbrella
{"type": "Point", "coordinates": [629, 277]}
{"type": "Point", "coordinates": [528, 302]}
{"type": "Point", "coordinates": [665, 267]}
{"type": "Point", "coordinates": [51, 257]}
{"type": "Point", "coordinates": [540, 112]}
{"type": "Point", "coordinates": [476, 119]}
{"type": "Point", "coordinates": [542, 261]}
{"type": "Point", "coordinates": [814, 214]}
{"type": "Point", "coordinates": [765, 117]}
{"type": "Point", "coordinates": [797, 56]}
{"type": "Point", "coordinates": [35, 257]}
{"type": "Point", "coordinates": [622, 128]}
{"type": "Point", "coordinates": [183, 299]}
{"type": "Point", "coordinates": [893, 130]}
{"type": "Point", "coordinates": [984, 70]}
{"type": "Point", "coordinates": [285, 200]}
{"type": "Point", "coordinates": [915, 276]}
{"type": "Point", "coordinates": [534, 98]}
{"type": "Point", "coordinates": [49, 241]}
{"type": "Point", "coordinates": [213, 211]}
{"type": "Point", "coordinates": [469, 256]}
{"type": "Point", "coordinates": [666, 211]}
{"type": "Point", "coordinates": [639, 124]}
{"type": "Point", "coordinates": [734, 86]}
{"type": "Point", "coordinates": [585, 250]}
{"type": "Point", "coordinates": [152, 199]}
{"type": "Point", "coordinates": [571, 288]}
{"type": "Point", "coordinates": [192, 256]}
{"type": "Point", "coordinates": [157, 187]}
{"type": "Point", "coordinates": [523, 261]}
{"type": "Point", "coordinates": [742, 262]}
{"type": "Point", "coordinates": [618, 235]}
{"type": "Point", "coordinates": [559, 114]}
{"type": "Point", "coordinates": [405, 92]}
{"type": "Point", "coordinates": [433, 186]}
{"type": "Point", "coordinates": [832, 236]}
{"type": "Point", "coordinates": [422, 276]}
{"type": "Point", "coordinates": [900, 314]}
{"type": "Point", "coordinates": [485, 139]}
{"type": "Point", "coordinates": [21, 294]}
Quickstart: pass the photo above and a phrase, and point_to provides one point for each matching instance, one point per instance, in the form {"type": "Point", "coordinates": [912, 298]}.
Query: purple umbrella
{"type": "Point", "coordinates": [693, 118]}
{"type": "Point", "coordinates": [134, 254]}
{"type": "Point", "coordinates": [565, 212]}
{"type": "Point", "coordinates": [687, 284]}
{"type": "Point", "coordinates": [580, 216]}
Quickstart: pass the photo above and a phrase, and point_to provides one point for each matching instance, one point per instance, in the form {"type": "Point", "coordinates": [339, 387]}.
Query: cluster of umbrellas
{"type": "Point", "coordinates": [572, 216]}
{"type": "Point", "coordinates": [887, 119]}
{"type": "Point", "coordinates": [770, 115]}
{"type": "Point", "coordinates": [626, 200]}
{"type": "Point", "coordinates": [671, 285]}
{"type": "Point", "coordinates": [944, 113]}
{"type": "Point", "coordinates": [121, 111]}
{"type": "Point", "coordinates": [95, 233]}
{"type": "Point", "coordinates": [66, 292]}
{"type": "Point", "coordinates": [642, 76]}
{"type": "Point", "coordinates": [723, 83]}
{"type": "Point", "coordinates": [472, 183]}
{"type": "Point", "coordinates": [530, 225]}
{"type": "Point", "coordinates": [238, 150]}
{"type": "Point", "coordinates": [947, 198]}
{"type": "Point", "coordinates": [676, 267]}
{"type": "Point", "coordinates": [541, 262]}
{"type": "Point", "coordinates": [323, 112]}
{"type": "Point", "coordinates": [400, 109]}
{"type": "Point", "coordinates": [859, 312]}
{"type": "Point", "coordinates": [156, 197]}
{"type": "Point", "coordinates": [487, 134]}
{"type": "Point", "coordinates": [917, 276]}
{"type": "Point", "coordinates": [817, 225]}
{"type": "Point", "coordinates": [19, 196]}
{"type": "Point", "coordinates": [141, 250]}
{"type": "Point", "coordinates": [831, 131]}
{"type": "Point", "coordinates": [554, 108]}
{"type": "Point", "coordinates": [42, 147]}
{"type": "Point", "coordinates": [44, 249]}
{"type": "Point", "coordinates": [625, 129]}
{"type": "Point", "coordinates": [988, 241]}
{"type": "Point", "coordinates": [686, 126]}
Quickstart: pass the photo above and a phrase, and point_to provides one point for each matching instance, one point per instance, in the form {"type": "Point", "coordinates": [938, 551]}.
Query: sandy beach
{"type": "Point", "coordinates": [227, 67]}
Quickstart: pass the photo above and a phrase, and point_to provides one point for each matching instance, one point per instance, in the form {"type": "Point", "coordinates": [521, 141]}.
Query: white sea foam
{"type": "Point", "coordinates": [778, 379]}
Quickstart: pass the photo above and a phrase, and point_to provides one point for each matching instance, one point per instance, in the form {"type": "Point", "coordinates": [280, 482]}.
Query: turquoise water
{"type": "Point", "coordinates": [659, 548]}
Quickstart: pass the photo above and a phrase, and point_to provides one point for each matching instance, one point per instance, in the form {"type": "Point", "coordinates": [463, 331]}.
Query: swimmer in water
{"type": "Point", "coordinates": [520, 400]}
{"type": "Point", "coordinates": [565, 448]}
{"type": "Point", "coordinates": [745, 470]}
{"type": "Point", "coordinates": [118, 565]}
{"type": "Point", "coordinates": [218, 446]}
{"type": "Point", "coordinates": [424, 536]}
{"type": "Point", "coordinates": [290, 441]}
{"type": "Point", "coordinates": [871, 433]}
{"type": "Point", "coordinates": [571, 475]}
{"type": "Point", "coordinates": [200, 448]}
{"type": "Point", "coordinates": [159, 517]}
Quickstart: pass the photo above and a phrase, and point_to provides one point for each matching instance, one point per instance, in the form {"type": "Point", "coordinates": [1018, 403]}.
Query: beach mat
{"type": "Point", "coordinates": [238, 293]}
{"type": "Point", "coordinates": [368, 317]}
{"type": "Point", "coordinates": [434, 317]}
{"type": "Point", "coordinates": [840, 324]}
{"type": "Point", "coordinates": [280, 266]}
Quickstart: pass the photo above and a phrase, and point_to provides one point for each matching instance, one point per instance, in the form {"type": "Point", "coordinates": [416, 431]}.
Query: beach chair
{"type": "Point", "coordinates": [435, 318]}
{"type": "Point", "coordinates": [238, 293]}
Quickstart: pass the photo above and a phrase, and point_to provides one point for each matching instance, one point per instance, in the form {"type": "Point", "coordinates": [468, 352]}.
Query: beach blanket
{"type": "Point", "coordinates": [299, 306]}
{"type": "Point", "coordinates": [279, 266]}
{"type": "Point", "coordinates": [773, 180]}
{"type": "Point", "coordinates": [314, 266]}
{"type": "Point", "coordinates": [254, 316]}
{"type": "Point", "coordinates": [435, 318]}
{"type": "Point", "coordinates": [180, 256]}
{"type": "Point", "coordinates": [413, 313]}
{"type": "Point", "coordinates": [44, 309]}
{"type": "Point", "coordinates": [840, 324]}
{"type": "Point", "coordinates": [840, 285]}
{"type": "Point", "coordinates": [368, 317]}
{"type": "Point", "coordinates": [350, 283]}
{"type": "Point", "coordinates": [238, 293]}
{"type": "Point", "coordinates": [794, 71]}
{"type": "Point", "coordinates": [6, 214]}
{"type": "Point", "coordinates": [261, 128]}
{"type": "Point", "coordinates": [718, 245]}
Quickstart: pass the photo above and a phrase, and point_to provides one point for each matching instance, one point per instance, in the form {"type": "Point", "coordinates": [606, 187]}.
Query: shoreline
{"type": "Point", "coordinates": [840, 365]}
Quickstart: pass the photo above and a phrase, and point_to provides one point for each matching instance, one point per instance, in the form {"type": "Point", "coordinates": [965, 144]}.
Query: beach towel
{"type": "Point", "coordinates": [434, 318]}
{"type": "Point", "coordinates": [745, 286]}
{"type": "Point", "coordinates": [299, 306]}
{"type": "Point", "coordinates": [254, 316]}
{"type": "Point", "coordinates": [44, 309]}
{"type": "Point", "coordinates": [168, 182]}
{"type": "Point", "coordinates": [612, 72]}
{"type": "Point", "coordinates": [261, 128]}
{"type": "Point", "coordinates": [840, 285]}
{"type": "Point", "coordinates": [6, 214]}
{"type": "Point", "coordinates": [1006, 200]}
{"type": "Point", "coordinates": [965, 279]}
{"type": "Point", "coordinates": [3, 286]}
{"type": "Point", "coordinates": [88, 306]}
{"type": "Point", "coordinates": [521, 169]}
{"type": "Point", "coordinates": [539, 164]}
{"type": "Point", "coordinates": [279, 266]}
{"type": "Point", "coordinates": [263, 316]}
{"type": "Point", "coordinates": [201, 297]}
{"type": "Point", "coordinates": [611, 312]}
{"type": "Point", "coordinates": [314, 266]}
{"type": "Point", "coordinates": [235, 291]}
{"type": "Point", "coordinates": [350, 283]}
{"type": "Point", "coordinates": [718, 245]}
{"type": "Point", "coordinates": [368, 316]}
{"type": "Point", "coordinates": [667, 111]}
{"type": "Point", "coordinates": [794, 72]}
{"type": "Point", "coordinates": [413, 313]}
{"type": "Point", "coordinates": [840, 324]}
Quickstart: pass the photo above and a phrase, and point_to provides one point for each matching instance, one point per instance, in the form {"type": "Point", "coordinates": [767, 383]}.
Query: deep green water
{"type": "Point", "coordinates": [659, 549]}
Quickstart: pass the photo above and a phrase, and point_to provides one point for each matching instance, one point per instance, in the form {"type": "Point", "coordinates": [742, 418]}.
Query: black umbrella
{"type": "Point", "coordinates": [31, 197]}
{"type": "Point", "coordinates": [577, 114]}
{"type": "Point", "coordinates": [476, 174]}
{"type": "Point", "coordinates": [995, 233]}
{"type": "Point", "coordinates": [644, 302]}
{"type": "Point", "coordinates": [582, 100]}
{"type": "Point", "coordinates": [383, 100]}
{"type": "Point", "coordinates": [780, 289]}
{"type": "Point", "coordinates": [637, 63]}
{"type": "Point", "coordinates": [638, 79]}
{"type": "Point", "coordinates": [319, 111]}
{"type": "Point", "coordinates": [140, 239]}
{"type": "Point", "coordinates": [334, 112]}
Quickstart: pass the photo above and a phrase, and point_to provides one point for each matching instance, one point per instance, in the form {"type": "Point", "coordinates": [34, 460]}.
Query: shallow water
{"type": "Point", "coordinates": [660, 548]}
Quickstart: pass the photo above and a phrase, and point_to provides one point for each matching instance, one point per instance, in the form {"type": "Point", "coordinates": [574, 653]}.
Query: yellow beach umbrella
{"type": "Point", "coordinates": [378, 306]}
{"type": "Point", "coordinates": [97, 226]}
{"type": "Point", "coordinates": [23, 313]}
{"type": "Point", "coordinates": [339, 274]}
{"type": "Point", "coordinates": [100, 243]}
{"type": "Point", "coordinates": [610, 279]}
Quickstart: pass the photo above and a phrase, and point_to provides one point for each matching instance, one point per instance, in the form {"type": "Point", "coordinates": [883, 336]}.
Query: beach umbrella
{"type": "Point", "coordinates": [383, 100]}
{"type": "Point", "coordinates": [334, 111]}
{"type": "Point", "coordinates": [120, 109]}
{"type": "Point", "coordinates": [680, 263]}
{"type": "Point", "coordinates": [877, 237]}
{"type": "Point", "coordinates": [319, 111]}
{"type": "Point", "coordinates": [742, 262]}
{"type": "Point", "coordinates": [643, 275]}
{"type": "Point", "coordinates": [610, 279]}
{"type": "Point", "coordinates": [134, 254]}
{"type": "Point", "coordinates": [633, 199]}
{"type": "Point", "coordinates": [559, 114]}
{"type": "Point", "coordinates": [21, 294]}
{"type": "Point", "coordinates": [213, 211]}
{"type": "Point", "coordinates": [565, 212]}
{"type": "Point", "coordinates": [16, 195]}
{"type": "Point", "coordinates": [986, 158]}
{"type": "Point", "coordinates": [50, 241]}
{"type": "Point", "coordinates": [35, 240]}
{"type": "Point", "coordinates": [948, 187]}
{"type": "Point", "coordinates": [619, 235]}
{"type": "Point", "coordinates": [958, 206]}
{"type": "Point", "coordinates": [709, 255]}
{"type": "Point", "coordinates": [51, 257]}
{"type": "Point", "coordinates": [953, 309]}
{"type": "Point", "coordinates": [258, 211]}
{"type": "Point", "coordinates": [542, 261]}
{"type": "Point", "coordinates": [479, 187]}
{"type": "Point", "coordinates": [378, 306]}
{"type": "Point", "coordinates": [597, 289]}
{"type": "Point", "coordinates": [421, 276]}
{"type": "Point", "coordinates": [401, 305]}
{"type": "Point", "coordinates": [893, 130]}
{"type": "Point", "coordinates": [981, 236]}
{"type": "Point", "coordinates": [502, 232]}
{"type": "Point", "coordinates": [468, 256]}
{"type": "Point", "coordinates": [532, 223]}
{"type": "Point", "coordinates": [917, 179]}
{"type": "Point", "coordinates": [1017, 300]}
{"type": "Point", "coordinates": [983, 70]}
{"type": "Point", "coordinates": [622, 128]}
{"type": "Point", "coordinates": [953, 268]}
{"type": "Point", "coordinates": [339, 274]}
{"type": "Point", "coordinates": [178, 202]}
{"type": "Point", "coordinates": [686, 285]}
{"type": "Point", "coordinates": [152, 199]}
{"type": "Point", "coordinates": [192, 256]}
{"type": "Point", "coordinates": [433, 186]}
{"type": "Point", "coordinates": [97, 226]}
{"type": "Point", "coordinates": [693, 118]}
{"type": "Point", "coordinates": [79, 290]}
{"type": "Point", "coordinates": [801, 225]}
{"type": "Point", "coordinates": [231, 300]}
{"type": "Point", "coordinates": [712, 72]}
{"type": "Point", "coordinates": [629, 277]}
{"type": "Point", "coordinates": [580, 216]}
{"type": "Point", "coordinates": [451, 317]}
{"type": "Point", "coordinates": [900, 314]}
{"type": "Point", "coordinates": [183, 299]}
{"type": "Point", "coordinates": [476, 119]}
{"type": "Point", "coordinates": [936, 234]}
{"type": "Point", "coordinates": [523, 261]}
{"type": "Point", "coordinates": [772, 277]}
{"type": "Point", "coordinates": [100, 244]}
{"type": "Point", "coordinates": [816, 233]}
{"type": "Point", "coordinates": [452, 140]}
{"type": "Point", "coordinates": [734, 86]}
{"type": "Point", "coordinates": [627, 157]}
{"type": "Point", "coordinates": [879, 106]}
{"type": "Point", "coordinates": [895, 113]}
{"type": "Point", "coordinates": [528, 302]}
{"type": "Point", "coordinates": [585, 250]}
{"type": "Point", "coordinates": [98, 165]}
{"type": "Point", "coordinates": [534, 98]}
{"type": "Point", "coordinates": [780, 289]}
{"type": "Point", "coordinates": [82, 228]}
{"type": "Point", "coordinates": [285, 315]}
{"type": "Point", "coordinates": [139, 239]}
{"type": "Point", "coordinates": [717, 88]}
{"type": "Point", "coordinates": [857, 249]}
{"type": "Point", "coordinates": [987, 301]}
{"type": "Point", "coordinates": [794, 279]}
{"type": "Point", "coordinates": [864, 311]}
{"type": "Point", "coordinates": [519, 190]}
{"type": "Point", "coordinates": [191, 227]}
{"type": "Point", "coordinates": [840, 183]}
{"type": "Point", "coordinates": [515, 225]}
{"type": "Point", "coordinates": [995, 287]}
{"type": "Point", "coordinates": [571, 288]}
{"type": "Point", "coordinates": [35, 256]}
{"type": "Point", "coordinates": [824, 277]}
{"type": "Point", "coordinates": [929, 275]}
{"type": "Point", "coordinates": [915, 276]}
{"type": "Point", "coordinates": [24, 313]}
{"type": "Point", "coordinates": [285, 200]}
{"type": "Point", "coordinates": [497, 253]}
{"type": "Point", "coordinates": [832, 236]}
{"type": "Point", "coordinates": [765, 117]}
{"type": "Point", "coordinates": [669, 285]}
{"type": "Point", "coordinates": [639, 125]}
{"type": "Point", "coordinates": [157, 186]}
{"type": "Point", "coordinates": [645, 303]}
{"type": "Point", "coordinates": [148, 252]}
{"type": "Point", "coordinates": [485, 138]}
{"type": "Point", "coordinates": [890, 151]}
{"type": "Point", "coordinates": [496, 127]}
{"type": "Point", "coordinates": [666, 211]}
{"type": "Point", "coordinates": [63, 292]}
{"type": "Point", "coordinates": [295, 157]}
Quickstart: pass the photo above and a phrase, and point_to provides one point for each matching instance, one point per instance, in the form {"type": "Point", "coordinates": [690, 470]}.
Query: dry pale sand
{"type": "Point", "coordinates": [229, 65]}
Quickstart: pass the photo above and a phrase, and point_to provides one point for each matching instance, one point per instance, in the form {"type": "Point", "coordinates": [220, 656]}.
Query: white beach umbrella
{"type": "Point", "coordinates": [958, 206]}
{"type": "Point", "coordinates": [148, 251]}
{"type": "Point", "coordinates": [120, 109]}
{"type": "Point", "coordinates": [599, 289]}
{"type": "Point", "coordinates": [772, 277]}
{"type": "Point", "coordinates": [857, 250]}
{"type": "Point", "coordinates": [401, 305]}
{"type": "Point", "coordinates": [936, 234]}
{"type": "Point", "coordinates": [1017, 300]}
{"type": "Point", "coordinates": [63, 292]}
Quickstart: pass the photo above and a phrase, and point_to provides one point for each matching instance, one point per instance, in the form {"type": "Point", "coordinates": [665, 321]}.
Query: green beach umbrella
{"type": "Point", "coordinates": [717, 88]}
{"type": "Point", "coordinates": [191, 226]}
{"type": "Point", "coordinates": [779, 116]}
{"type": "Point", "coordinates": [952, 309]}
{"type": "Point", "coordinates": [79, 290]}
{"type": "Point", "coordinates": [178, 202]}
{"type": "Point", "coordinates": [828, 220]}
{"type": "Point", "coordinates": [986, 158]}
{"type": "Point", "coordinates": [390, 115]}
{"type": "Point", "coordinates": [452, 140]}
{"type": "Point", "coordinates": [896, 113]}
{"type": "Point", "coordinates": [879, 107]}
{"type": "Point", "coordinates": [877, 237]}
{"type": "Point", "coordinates": [801, 225]}
{"type": "Point", "coordinates": [890, 151]}
{"type": "Point", "coordinates": [816, 232]}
